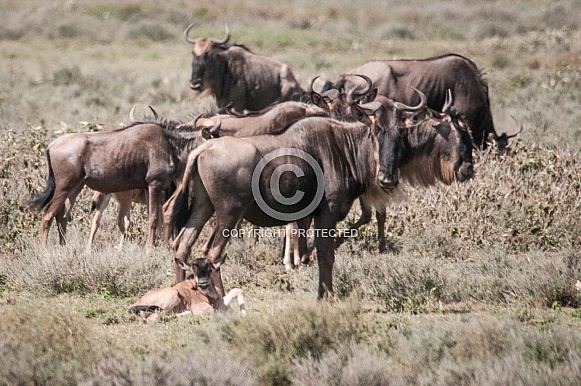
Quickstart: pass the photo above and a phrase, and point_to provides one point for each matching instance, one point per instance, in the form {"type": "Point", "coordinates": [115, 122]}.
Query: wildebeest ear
{"type": "Point", "coordinates": [182, 264]}
{"type": "Point", "coordinates": [206, 133]}
{"type": "Point", "coordinates": [360, 114]}
{"type": "Point", "coordinates": [317, 100]}
{"type": "Point", "coordinates": [369, 97]}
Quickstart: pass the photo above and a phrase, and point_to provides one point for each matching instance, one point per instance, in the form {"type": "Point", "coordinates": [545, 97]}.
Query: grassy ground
{"type": "Point", "coordinates": [480, 284]}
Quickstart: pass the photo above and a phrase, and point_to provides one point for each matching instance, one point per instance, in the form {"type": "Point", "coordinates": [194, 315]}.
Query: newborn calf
{"type": "Point", "coordinates": [196, 294]}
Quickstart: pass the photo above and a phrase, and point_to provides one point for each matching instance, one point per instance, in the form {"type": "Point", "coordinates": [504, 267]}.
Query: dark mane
{"type": "Point", "coordinates": [179, 135]}
{"type": "Point", "coordinates": [352, 159]}
{"type": "Point", "coordinates": [165, 123]}
{"type": "Point", "coordinates": [228, 45]}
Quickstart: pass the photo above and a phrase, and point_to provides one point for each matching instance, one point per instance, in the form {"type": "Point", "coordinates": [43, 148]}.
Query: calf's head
{"type": "Point", "coordinates": [202, 270]}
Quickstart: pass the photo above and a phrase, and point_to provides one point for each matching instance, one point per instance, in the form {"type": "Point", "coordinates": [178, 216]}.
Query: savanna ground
{"type": "Point", "coordinates": [479, 285]}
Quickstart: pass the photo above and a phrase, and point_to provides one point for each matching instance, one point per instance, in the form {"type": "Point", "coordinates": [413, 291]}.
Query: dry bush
{"type": "Point", "coordinates": [45, 345]}
{"type": "Point", "coordinates": [283, 335]}
{"type": "Point", "coordinates": [126, 272]}
{"type": "Point", "coordinates": [183, 367]}
{"type": "Point", "coordinates": [411, 283]}
{"type": "Point", "coordinates": [525, 201]}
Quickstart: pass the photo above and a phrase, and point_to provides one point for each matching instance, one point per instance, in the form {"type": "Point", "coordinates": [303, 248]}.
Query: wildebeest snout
{"type": "Point", "coordinates": [387, 180]}
{"type": "Point", "coordinates": [196, 84]}
{"type": "Point", "coordinates": [465, 172]}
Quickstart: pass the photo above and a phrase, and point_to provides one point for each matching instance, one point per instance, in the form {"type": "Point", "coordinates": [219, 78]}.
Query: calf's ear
{"type": "Point", "coordinates": [360, 114]}
{"type": "Point", "coordinates": [182, 264]}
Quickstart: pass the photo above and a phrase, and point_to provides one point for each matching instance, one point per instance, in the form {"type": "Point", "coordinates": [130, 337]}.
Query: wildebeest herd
{"type": "Point", "coordinates": [276, 154]}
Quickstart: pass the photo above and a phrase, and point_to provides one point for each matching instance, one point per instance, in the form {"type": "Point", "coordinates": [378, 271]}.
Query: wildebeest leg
{"type": "Point", "coordinates": [220, 237]}
{"type": "Point", "coordinates": [154, 206]}
{"type": "Point", "coordinates": [365, 218]}
{"type": "Point", "coordinates": [59, 208]}
{"type": "Point", "coordinates": [291, 240]}
{"type": "Point", "coordinates": [303, 226]}
{"type": "Point", "coordinates": [200, 212]}
{"type": "Point", "coordinates": [124, 214]}
{"type": "Point", "coordinates": [325, 246]}
{"type": "Point", "coordinates": [166, 218]}
{"type": "Point", "coordinates": [295, 242]}
{"type": "Point", "coordinates": [255, 233]}
{"type": "Point", "coordinates": [188, 235]}
{"type": "Point", "coordinates": [288, 241]}
{"type": "Point", "coordinates": [380, 216]}
{"type": "Point", "coordinates": [100, 201]}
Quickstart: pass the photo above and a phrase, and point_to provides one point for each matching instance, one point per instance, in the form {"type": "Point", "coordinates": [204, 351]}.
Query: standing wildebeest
{"type": "Point", "coordinates": [331, 163]}
{"type": "Point", "coordinates": [238, 77]}
{"type": "Point", "coordinates": [433, 76]}
{"type": "Point", "coordinates": [435, 147]}
{"type": "Point", "coordinates": [139, 156]}
{"type": "Point", "coordinates": [196, 295]}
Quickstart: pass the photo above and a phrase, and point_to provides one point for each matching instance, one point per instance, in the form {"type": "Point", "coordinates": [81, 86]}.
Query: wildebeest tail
{"type": "Point", "coordinates": [40, 200]}
{"type": "Point", "coordinates": [180, 209]}
{"type": "Point", "coordinates": [146, 308]}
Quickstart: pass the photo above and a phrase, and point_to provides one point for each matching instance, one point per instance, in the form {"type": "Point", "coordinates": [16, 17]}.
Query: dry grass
{"type": "Point", "coordinates": [480, 284]}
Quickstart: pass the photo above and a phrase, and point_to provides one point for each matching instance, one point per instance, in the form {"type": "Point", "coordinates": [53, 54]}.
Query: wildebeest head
{"type": "Point", "coordinates": [335, 101]}
{"type": "Point", "coordinates": [382, 115]}
{"type": "Point", "coordinates": [438, 146]}
{"type": "Point", "coordinates": [502, 139]}
{"type": "Point", "coordinates": [206, 61]}
{"type": "Point", "coordinates": [202, 269]}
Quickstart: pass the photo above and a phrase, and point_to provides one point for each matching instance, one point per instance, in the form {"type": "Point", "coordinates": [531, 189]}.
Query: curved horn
{"type": "Point", "coordinates": [310, 89]}
{"type": "Point", "coordinates": [449, 101]}
{"type": "Point", "coordinates": [195, 120]}
{"type": "Point", "coordinates": [518, 131]}
{"type": "Point", "coordinates": [423, 101]}
{"type": "Point", "coordinates": [369, 85]}
{"type": "Point", "coordinates": [225, 40]}
{"type": "Point", "coordinates": [186, 34]}
{"type": "Point", "coordinates": [132, 114]}
{"type": "Point", "coordinates": [350, 99]}
{"type": "Point", "coordinates": [155, 116]}
{"type": "Point", "coordinates": [214, 130]}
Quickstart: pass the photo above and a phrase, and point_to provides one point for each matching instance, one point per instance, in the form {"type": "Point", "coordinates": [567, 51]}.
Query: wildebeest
{"type": "Point", "coordinates": [435, 147]}
{"type": "Point", "coordinates": [270, 120]}
{"type": "Point", "coordinates": [433, 76]}
{"type": "Point", "coordinates": [238, 77]}
{"type": "Point", "coordinates": [196, 295]}
{"type": "Point", "coordinates": [147, 155]}
{"type": "Point", "coordinates": [327, 163]}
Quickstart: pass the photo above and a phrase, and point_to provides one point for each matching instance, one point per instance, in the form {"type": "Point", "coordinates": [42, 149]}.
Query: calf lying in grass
{"type": "Point", "coordinates": [195, 295]}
